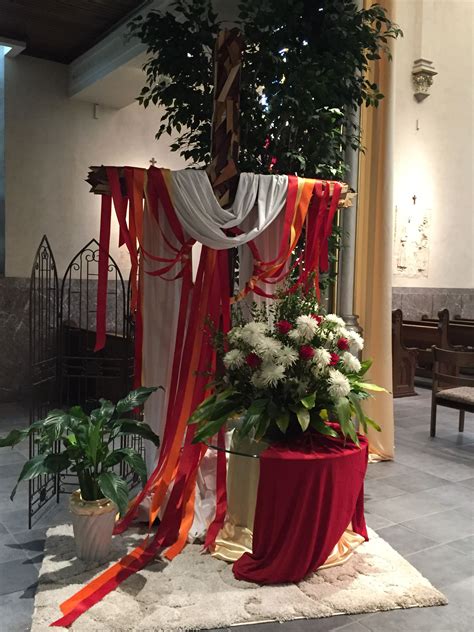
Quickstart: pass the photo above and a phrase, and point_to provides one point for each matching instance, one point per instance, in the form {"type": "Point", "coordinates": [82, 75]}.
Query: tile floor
{"type": "Point", "coordinates": [422, 503]}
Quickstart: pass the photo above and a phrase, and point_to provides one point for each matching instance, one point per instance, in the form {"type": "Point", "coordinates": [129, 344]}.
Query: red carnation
{"type": "Point", "coordinates": [334, 359]}
{"type": "Point", "coordinates": [343, 344]}
{"type": "Point", "coordinates": [253, 360]}
{"type": "Point", "coordinates": [317, 318]}
{"type": "Point", "coordinates": [306, 352]}
{"type": "Point", "coordinates": [284, 326]}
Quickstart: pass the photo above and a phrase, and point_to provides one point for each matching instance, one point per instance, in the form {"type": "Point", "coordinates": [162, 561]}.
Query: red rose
{"type": "Point", "coordinates": [317, 318]}
{"type": "Point", "coordinates": [253, 360]}
{"type": "Point", "coordinates": [284, 326]}
{"type": "Point", "coordinates": [343, 344]}
{"type": "Point", "coordinates": [334, 359]}
{"type": "Point", "coordinates": [306, 352]}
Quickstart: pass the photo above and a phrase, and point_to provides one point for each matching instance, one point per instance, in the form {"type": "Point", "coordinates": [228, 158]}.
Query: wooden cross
{"type": "Point", "coordinates": [153, 161]}
{"type": "Point", "coordinates": [225, 139]}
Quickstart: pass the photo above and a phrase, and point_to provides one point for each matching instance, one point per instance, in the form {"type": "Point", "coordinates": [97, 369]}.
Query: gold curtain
{"type": "Point", "coordinates": [373, 264]}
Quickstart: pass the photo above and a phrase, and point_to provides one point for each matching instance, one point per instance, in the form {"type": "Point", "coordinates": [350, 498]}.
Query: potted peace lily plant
{"type": "Point", "coordinates": [70, 440]}
{"type": "Point", "coordinates": [292, 369]}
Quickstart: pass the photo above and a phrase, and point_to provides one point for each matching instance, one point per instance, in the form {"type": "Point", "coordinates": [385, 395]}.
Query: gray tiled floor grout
{"type": "Point", "coordinates": [429, 464]}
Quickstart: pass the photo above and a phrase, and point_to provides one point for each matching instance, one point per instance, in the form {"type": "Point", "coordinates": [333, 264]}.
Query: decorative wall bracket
{"type": "Point", "coordinates": [422, 74]}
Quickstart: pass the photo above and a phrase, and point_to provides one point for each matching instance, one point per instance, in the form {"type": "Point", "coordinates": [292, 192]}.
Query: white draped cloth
{"type": "Point", "coordinates": [258, 202]}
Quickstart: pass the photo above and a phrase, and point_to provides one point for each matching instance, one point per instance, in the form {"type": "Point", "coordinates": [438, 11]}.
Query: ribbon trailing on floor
{"type": "Point", "coordinates": [308, 207]}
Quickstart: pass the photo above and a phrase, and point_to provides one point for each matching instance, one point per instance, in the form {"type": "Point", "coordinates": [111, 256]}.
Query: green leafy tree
{"type": "Point", "coordinates": [304, 68]}
{"type": "Point", "coordinates": [87, 446]}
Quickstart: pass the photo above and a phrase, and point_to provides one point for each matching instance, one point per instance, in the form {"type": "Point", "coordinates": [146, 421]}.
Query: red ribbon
{"type": "Point", "coordinates": [104, 245]}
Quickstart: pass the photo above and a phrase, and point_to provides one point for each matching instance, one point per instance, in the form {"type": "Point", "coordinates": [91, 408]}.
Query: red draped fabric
{"type": "Point", "coordinates": [307, 497]}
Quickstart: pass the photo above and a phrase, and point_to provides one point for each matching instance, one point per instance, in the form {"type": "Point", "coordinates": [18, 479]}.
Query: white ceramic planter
{"type": "Point", "coordinates": [93, 523]}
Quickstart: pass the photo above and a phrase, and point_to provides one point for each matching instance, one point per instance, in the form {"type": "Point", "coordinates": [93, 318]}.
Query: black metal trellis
{"type": "Point", "coordinates": [65, 370]}
{"type": "Point", "coordinates": [43, 359]}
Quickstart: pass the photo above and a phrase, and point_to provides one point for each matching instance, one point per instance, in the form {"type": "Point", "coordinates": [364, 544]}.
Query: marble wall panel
{"type": "Point", "coordinates": [414, 302]}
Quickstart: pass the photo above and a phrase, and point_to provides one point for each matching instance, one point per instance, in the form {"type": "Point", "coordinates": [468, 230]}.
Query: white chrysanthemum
{"type": "Point", "coordinates": [295, 334]}
{"type": "Point", "coordinates": [355, 340]}
{"type": "Point", "coordinates": [333, 318]}
{"type": "Point", "coordinates": [318, 370]}
{"type": "Point", "coordinates": [307, 326]}
{"type": "Point", "coordinates": [234, 359]}
{"type": "Point", "coordinates": [255, 328]}
{"type": "Point", "coordinates": [338, 384]}
{"type": "Point", "coordinates": [287, 356]}
{"type": "Point", "coordinates": [351, 363]}
{"type": "Point", "coordinates": [252, 333]}
{"type": "Point", "coordinates": [321, 357]}
{"type": "Point", "coordinates": [271, 374]}
{"type": "Point", "coordinates": [267, 347]}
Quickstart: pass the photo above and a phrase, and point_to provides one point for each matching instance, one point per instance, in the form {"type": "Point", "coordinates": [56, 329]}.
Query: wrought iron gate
{"type": "Point", "coordinates": [65, 370]}
{"type": "Point", "coordinates": [86, 375]}
{"type": "Point", "coordinates": [43, 357]}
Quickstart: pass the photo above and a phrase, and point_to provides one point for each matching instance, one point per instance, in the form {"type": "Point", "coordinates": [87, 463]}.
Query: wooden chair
{"type": "Point", "coordinates": [451, 389]}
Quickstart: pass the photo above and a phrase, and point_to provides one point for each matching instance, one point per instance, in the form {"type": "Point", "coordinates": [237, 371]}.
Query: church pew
{"type": "Point", "coordinates": [460, 332]}
{"type": "Point", "coordinates": [403, 360]}
{"type": "Point", "coordinates": [423, 336]}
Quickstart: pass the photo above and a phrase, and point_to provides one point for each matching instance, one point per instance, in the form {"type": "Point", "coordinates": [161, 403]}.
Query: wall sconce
{"type": "Point", "coordinates": [422, 75]}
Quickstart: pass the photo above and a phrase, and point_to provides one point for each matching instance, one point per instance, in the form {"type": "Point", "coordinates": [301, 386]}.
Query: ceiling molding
{"type": "Point", "coordinates": [116, 58]}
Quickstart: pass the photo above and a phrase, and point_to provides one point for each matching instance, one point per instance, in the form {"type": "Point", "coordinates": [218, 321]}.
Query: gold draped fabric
{"type": "Point", "coordinates": [373, 266]}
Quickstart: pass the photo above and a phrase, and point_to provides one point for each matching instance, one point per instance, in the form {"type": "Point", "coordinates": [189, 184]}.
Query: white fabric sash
{"type": "Point", "coordinates": [259, 200]}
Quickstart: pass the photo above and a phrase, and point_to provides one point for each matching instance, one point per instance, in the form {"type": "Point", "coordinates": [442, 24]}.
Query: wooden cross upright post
{"type": "Point", "coordinates": [225, 141]}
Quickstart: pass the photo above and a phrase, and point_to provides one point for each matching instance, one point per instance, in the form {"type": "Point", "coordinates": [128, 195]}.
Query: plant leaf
{"type": "Point", "coordinates": [374, 424]}
{"type": "Point", "coordinates": [115, 489]}
{"type": "Point", "coordinates": [365, 366]}
{"type": "Point", "coordinates": [200, 413]}
{"type": "Point", "coordinates": [358, 410]}
{"type": "Point", "coordinates": [323, 428]}
{"type": "Point", "coordinates": [372, 387]}
{"type": "Point", "coordinates": [283, 421]}
{"type": "Point", "coordinates": [32, 468]}
{"type": "Point", "coordinates": [130, 456]}
{"type": "Point", "coordinates": [262, 427]}
{"type": "Point", "coordinates": [140, 428]}
{"type": "Point", "coordinates": [103, 414]}
{"type": "Point", "coordinates": [135, 399]}
{"type": "Point", "coordinates": [303, 417]}
{"type": "Point", "coordinates": [309, 401]}
{"type": "Point", "coordinates": [209, 429]}
{"type": "Point", "coordinates": [14, 437]}
{"type": "Point", "coordinates": [343, 412]}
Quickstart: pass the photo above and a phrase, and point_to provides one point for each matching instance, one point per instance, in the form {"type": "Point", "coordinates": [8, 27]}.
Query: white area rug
{"type": "Point", "coordinates": [196, 591]}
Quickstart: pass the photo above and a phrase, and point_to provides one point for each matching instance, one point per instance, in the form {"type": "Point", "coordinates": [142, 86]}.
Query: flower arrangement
{"type": "Point", "coordinates": [290, 370]}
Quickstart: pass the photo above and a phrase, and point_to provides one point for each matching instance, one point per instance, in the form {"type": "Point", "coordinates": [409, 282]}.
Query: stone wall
{"type": "Point", "coordinates": [15, 328]}
{"type": "Point", "coordinates": [417, 301]}
{"type": "Point", "coordinates": [14, 338]}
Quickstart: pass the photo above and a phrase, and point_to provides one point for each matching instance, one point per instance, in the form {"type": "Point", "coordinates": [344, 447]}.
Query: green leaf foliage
{"type": "Point", "coordinates": [304, 71]}
{"type": "Point", "coordinates": [139, 428]}
{"type": "Point", "coordinates": [303, 417]}
{"type": "Point", "coordinates": [73, 440]}
{"type": "Point", "coordinates": [309, 401]}
{"type": "Point", "coordinates": [115, 488]}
